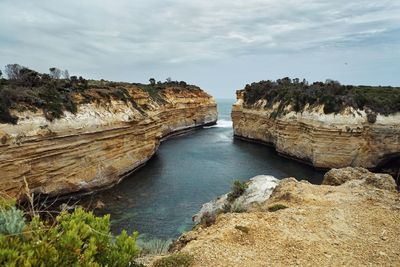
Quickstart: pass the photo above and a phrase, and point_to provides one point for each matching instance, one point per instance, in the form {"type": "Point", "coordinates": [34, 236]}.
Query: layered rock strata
{"type": "Point", "coordinates": [99, 145]}
{"type": "Point", "coordinates": [322, 140]}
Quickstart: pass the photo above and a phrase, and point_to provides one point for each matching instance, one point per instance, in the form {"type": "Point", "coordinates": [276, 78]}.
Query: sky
{"type": "Point", "coordinates": [219, 45]}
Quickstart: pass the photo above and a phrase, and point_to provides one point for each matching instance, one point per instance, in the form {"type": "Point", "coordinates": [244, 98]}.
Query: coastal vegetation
{"type": "Point", "coordinates": [71, 239]}
{"type": "Point", "coordinates": [334, 96]}
{"type": "Point", "coordinates": [174, 260]}
{"type": "Point", "coordinates": [57, 91]}
{"type": "Point", "coordinates": [277, 207]}
{"type": "Point", "coordinates": [238, 188]}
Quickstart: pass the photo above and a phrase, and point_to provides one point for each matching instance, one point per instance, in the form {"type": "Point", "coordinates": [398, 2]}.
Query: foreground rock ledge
{"type": "Point", "coordinates": [356, 223]}
{"type": "Point", "coordinates": [99, 145]}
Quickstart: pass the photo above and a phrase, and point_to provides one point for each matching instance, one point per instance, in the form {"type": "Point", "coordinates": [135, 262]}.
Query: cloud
{"type": "Point", "coordinates": [95, 36]}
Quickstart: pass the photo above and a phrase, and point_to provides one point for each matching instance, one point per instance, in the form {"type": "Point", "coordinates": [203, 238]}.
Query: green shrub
{"type": "Point", "coordinates": [28, 89]}
{"type": "Point", "coordinates": [238, 189]}
{"type": "Point", "coordinates": [238, 208]}
{"type": "Point", "coordinates": [174, 260]}
{"type": "Point", "coordinates": [208, 219]}
{"type": "Point", "coordinates": [277, 207]}
{"type": "Point", "coordinates": [74, 239]}
{"type": "Point", "coordinates": [12, 221]}
{"type": "Point", "coordinates": [226, 208]}
{"type": "Point", "coordinates": [333, 96]}
{"type": "Point", "coordinates": [155, 246]}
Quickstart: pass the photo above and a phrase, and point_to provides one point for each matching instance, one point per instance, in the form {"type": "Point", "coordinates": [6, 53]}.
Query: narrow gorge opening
{"type": "Point", "coordinates": [159, 199]}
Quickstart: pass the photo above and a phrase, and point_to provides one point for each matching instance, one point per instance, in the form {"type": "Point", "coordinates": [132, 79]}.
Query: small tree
{"type": "Point", "coordinates": [66, 74]}
{"type": "Point", "coordinates": [13, 71]}
{"type": "Point", "coordinates": [152, 81]}
{"type": "Point", "coordinates": [1, 74]}
{"type": "Point", "coordinates": [55, 73]}
{"type": "Point", "coordinates": [28, 77]}
{"type": "Point", "coordinates": [169, 80]}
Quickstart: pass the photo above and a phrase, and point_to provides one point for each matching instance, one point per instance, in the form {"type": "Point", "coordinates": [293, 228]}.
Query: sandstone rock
{"type": "Point", "coordinates": [259, 189]}
{"type": "Point", "coordinates": [341, 176]}
{"type": "Point", "coordinates": [99, 145]}
{"type": "Point", "coordinates": [323, 226]}
{"type": "Point", "coordinates": [323, 140]}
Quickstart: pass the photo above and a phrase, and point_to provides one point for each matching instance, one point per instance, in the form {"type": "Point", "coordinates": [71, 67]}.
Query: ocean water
{"type": "Point", "coordinates": [159, 199]}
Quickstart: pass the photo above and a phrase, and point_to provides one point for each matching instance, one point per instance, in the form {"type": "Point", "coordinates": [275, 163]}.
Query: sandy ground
{"type": "Point", "coordinates": [353, 224]}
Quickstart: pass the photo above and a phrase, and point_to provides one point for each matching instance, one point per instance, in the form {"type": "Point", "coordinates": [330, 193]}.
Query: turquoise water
{"type": "Point", "coordinates": [160, 198]}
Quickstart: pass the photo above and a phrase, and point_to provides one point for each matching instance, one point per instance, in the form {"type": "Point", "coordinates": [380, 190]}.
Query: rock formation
{"type": "Point", "coordinates": [354, 223]}
{"type": "Point", "coordinates": [98, 145]}
{"type": "Point", "coordinates": [259, 189]}
{"type": "Point", "coordinates": [334, 140]}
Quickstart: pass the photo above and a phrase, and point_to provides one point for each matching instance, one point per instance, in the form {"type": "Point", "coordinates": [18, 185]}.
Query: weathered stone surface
{"type": "Point", "coordinates": [96, 147]}
{"type": "Point", "coordinates": [341, 176]}
{"type": "Point", "coordinates": [353, 224]}
{"type": "Point", "coordinates": [323, 140]}
{"type": "Point", "coordinates": [259, 189]}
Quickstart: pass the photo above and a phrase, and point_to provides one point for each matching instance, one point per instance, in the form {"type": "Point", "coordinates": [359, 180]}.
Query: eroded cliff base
{"type": "Point", "coordinates": [356, 223]}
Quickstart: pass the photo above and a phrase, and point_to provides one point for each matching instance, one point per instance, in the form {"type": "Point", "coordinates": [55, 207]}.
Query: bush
{"type": "Point", "coordinates": [12, 221]}
{"type": "Point", "coordinates": [277, 207]}
{"type": "Point", "coordinates": [226, 208]}
{"type": "Point", "coordinates": [174, 260]}
{"type": "Point", "coordinates": [28, 89]}
{"type": "Point", "coordinates": [208, 219]}
{"type": "Point", "coordinates": [238, 189]}
{"type": "Point", "coordinates": [333, 96]}
{"type": "Point", "coordinates": [238, 208]}
{"type": "Point", "coordinates": [155, 246]}
{"type": "Point", "coordinates": [371, 117]}
{"type": "Point", "coordinates": [74, 239]}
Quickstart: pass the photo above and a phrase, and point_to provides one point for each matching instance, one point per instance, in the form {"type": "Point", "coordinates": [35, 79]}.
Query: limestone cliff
{"type": "Point", "coordinates": [349, 137]}
{"type": "Point", "coordinates": [99, 144]}
{"type": "Point", "coordinates": [351, 220]}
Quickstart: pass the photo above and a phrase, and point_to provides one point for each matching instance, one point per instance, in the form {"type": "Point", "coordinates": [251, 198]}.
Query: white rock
{"type": "Point", "coordinates": [259, 190]}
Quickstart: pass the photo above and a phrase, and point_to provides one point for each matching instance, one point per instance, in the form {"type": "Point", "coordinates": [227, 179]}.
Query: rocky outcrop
{"type": "Point", "coordinates": [341, 176]}
{"type": "Point", "coordinates": [258, 190]}
{"type": "Point", "coordinates": [339, 140]}
{"type": "Point", "coordinates": [98, 145]}
{"type": "Point", "coordinates": [355, 223]}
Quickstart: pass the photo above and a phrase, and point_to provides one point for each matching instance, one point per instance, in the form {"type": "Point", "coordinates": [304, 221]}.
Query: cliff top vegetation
{"type": "Point", "coordinates": [57, 91]}
{"type": "Point", "coordinates": [331, 94]}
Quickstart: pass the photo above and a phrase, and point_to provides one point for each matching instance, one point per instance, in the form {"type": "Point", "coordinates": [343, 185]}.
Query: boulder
{"type": "Point", "coordinates": [340, 176]}
{"type": "Point", "coordinates": [259, 190]}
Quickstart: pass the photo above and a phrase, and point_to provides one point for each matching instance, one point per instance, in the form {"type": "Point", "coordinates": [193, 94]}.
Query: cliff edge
{"type": "Point", "coordinates": [76, 136]}
{"type": "Point", "coordinates": [326, 125]}
{"type": "Point", "coordinates": [356, 223]}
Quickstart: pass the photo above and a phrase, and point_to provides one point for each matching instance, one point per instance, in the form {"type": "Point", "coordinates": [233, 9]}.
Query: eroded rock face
{"type": "Point", "coordinates": [341, 176]}
{"type": "Point", "coordinates": [325, 141]}
{"type": "Point", "coordinates": [259, 189]}
{"type": "Point", "coordinates": [355, 223]}
{"type": "Point", "coordinates": [96, 147]}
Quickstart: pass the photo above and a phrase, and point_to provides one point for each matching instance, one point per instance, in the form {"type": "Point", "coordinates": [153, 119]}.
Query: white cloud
{"type": "Point", "coordinates": [96, 37]}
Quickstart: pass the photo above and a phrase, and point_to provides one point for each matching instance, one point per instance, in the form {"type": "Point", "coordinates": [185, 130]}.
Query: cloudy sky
{"type": "Point", "coordinates": [219, 45]}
